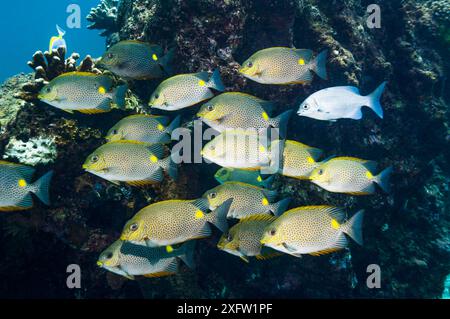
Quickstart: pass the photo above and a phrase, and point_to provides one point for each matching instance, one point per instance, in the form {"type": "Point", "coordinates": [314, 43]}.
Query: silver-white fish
{"type": "Point", "coordinates": [341, 102]}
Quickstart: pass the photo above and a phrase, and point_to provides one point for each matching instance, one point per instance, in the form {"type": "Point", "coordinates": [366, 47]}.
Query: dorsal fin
{"type": "Point", "coordinates": [311, 207]}
{"type": "Point", "coordinates": [258, 217]}
{"type": "Point", "coordinates": [76, 73]}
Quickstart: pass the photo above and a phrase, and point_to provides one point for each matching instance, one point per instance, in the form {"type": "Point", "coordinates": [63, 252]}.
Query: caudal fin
{"type": "Point", "coordinates": [187, 254]}
{"type": "Point", "coordinates": [319, 64]}
{"type": "Point", "coordinates": [383, 178]}
{"type": "Point", "coordinates": [174, 125]}
{"type": "Point", "coordinates": [215, 81]}
{"type": "Point", "coordinates": [169, 166]}
{"type": "Point", "coordinates": [280, 122]}
{"type": "Point", "coordinates": [374, 100]}
{"type": "Point", "coordinates": [119, 96]}
{"type": "Point", "coordinates": [41, 188]}
{"type": "Point", "coordinates": [218, 217]}
{"type": "Point", "coordinates": [353, 227]}
{"type": "Point", "coordinates": [166, 62]}
{"type": "Point", "coordinates": [61, 31]}
{"type": "Point", "coordinates": [280, 207]}
{"type": "Point", "coordinates": [267, 183]}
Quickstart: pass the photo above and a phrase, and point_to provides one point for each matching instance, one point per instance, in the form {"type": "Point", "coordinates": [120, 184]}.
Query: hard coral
{"type": "Point", "coordinates": [104, 17]}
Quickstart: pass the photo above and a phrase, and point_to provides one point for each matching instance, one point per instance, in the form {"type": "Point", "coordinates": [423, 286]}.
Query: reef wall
{"type": "Point", "coordinates": [406, 232]}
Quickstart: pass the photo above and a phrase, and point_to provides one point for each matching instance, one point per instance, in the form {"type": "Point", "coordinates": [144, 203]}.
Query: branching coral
{"type": "Point", "coordinates": [49, 65]}
{"type": "Point", "coordinates": [104, 17]}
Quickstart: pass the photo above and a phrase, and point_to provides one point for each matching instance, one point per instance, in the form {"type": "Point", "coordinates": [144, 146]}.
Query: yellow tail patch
{"type": "Point", "coordinates": [259, 179]}
{"type": "Point", "coordinates": [153, 159]}
{"type": "Point", "coordinates": [161, 127]}
{"type": "Point", "coordinates": [265, 116]}
{"type": "Point", "coordinates": [262, 149]}
{"type": "Point", "coordinates": [22, 183]}
{"type": "Point", "coordinates": [335, 224]}
{"type": "Point", "coordinates": [301, 62]}
{"type": "Point", "coordinates": [265, 202]}
{"type": "Point", "coordinates": [155, 57]}
{"type": "Point", "coordinates": [199, 214]}
{"type": "Point", "coordinates": [102, 90]}
{"type": "Point", "coordinates": [201, 83]}
{"type": "Point", "coordinates": [169, 249]}
{"type": "Point", "coordinates": [310, 160]}
{"type": "Point", "coordinates": [369, 175]}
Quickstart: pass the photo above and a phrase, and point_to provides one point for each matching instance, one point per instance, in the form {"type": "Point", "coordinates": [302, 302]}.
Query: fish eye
{"type": "Point", "coordinates": [156, 96]}
{"type": "Point", "coordinates": [115, 132]}
{"type": "Point", "coordinates": [48, 90]}
{"type": "Point", "coordinates": [320, 171]}
{"type": "Point", "coordinates": [109, 256]}
{"type": "Point", "coordinates": [273, 232]}
{"type": "Point", "coordinates": [249, 64]}
{"type": "Point", "coordinates": [305, 106]}
{"type": "Point", "coordinates": [229, 237]}
{"type": "Point", "coordinates": [94, 159]}
{"type": "Point", "coordinates": [134, 227]}
{"type": "Point", "coordinates": [110, 56]}
{"type": "Point", "coordinates": [210, 108]}
{"type": "Point", "coordinates": [224, 172]}
{"type": "Point", "coordinates": [212, 195]}
{"type": "Point", "coordinates": [212, 147]}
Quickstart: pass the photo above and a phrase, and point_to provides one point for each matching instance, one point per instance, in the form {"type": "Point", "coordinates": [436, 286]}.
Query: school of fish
{"type": "Point", "coordinates": [251, 148]}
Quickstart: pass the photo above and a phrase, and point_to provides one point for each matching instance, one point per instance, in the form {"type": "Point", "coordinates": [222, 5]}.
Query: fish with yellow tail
{"type": "Point", "coordinates": [234, 110]}
{"type": "Point", "coordinates": [131, 162]}
{"type": "Point", "coordinates": [351, 176]}
{"type": "Point", "coordinates": [185, 90]}
{"type": "Point", "coordinates": [247, 200]}
{"type": "Point", "coordinates": [297, 160]}
{"type": "Point", "coordinates": [242, 149]}
{"type": "Point", "coordinates": [83, 92]}
{"type": "Point", "coordinates": [244, 238]}
{"type": "Point", "coordinates": [281, 65]}
{"type": "Point", "coordinates": [129, 260]}
{"type": "Point", "coordinates": [58, 41]}
{"type": "Point", "coordinates": [314, 230]}
{"type": "Point", "coordinates": [224, 175]}
{"type": "Point", "coordinates": [175, 221]}
{"type": "Point", "coordinates": [16, 187]}
{"type": "Point", "coordinates": [136, 60]}
{"type": "Point", "coordinates": [143, 128]}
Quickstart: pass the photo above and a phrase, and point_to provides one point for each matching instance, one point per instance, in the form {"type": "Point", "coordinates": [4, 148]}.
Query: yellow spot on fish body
{"type": "Point", "coordinates": [265, 202]}
{"type": "Point", "coordinates": [259, 179]}
{"type": "Point", "coordinates": [201, 83]}
{"type": "Point", "coordinates": [102, 90]}
{"type": "Point", "coordinates": [265, 116]}
{"type": "Point", "coordinates": [153, 159]}
{"type": "Point", "coordinates": [199, 214]}
{"type": "Point", "coordinates": [22, 183]}
{"type": "Point", "coordinates": [262, 149]}
{"type": "Point", "coordinates": [155, 57]}
{"type": "Point", "coordinates": [369, 175]}
{"type": "Point", "coordinates": [301, 62]}
{"type": "Point", "coordinates": [335, 224]}
{"type": "Point", "coordinates": [169, 249]}
{"type": "Point", "coordinates": [310, 160]}
{"type": "Point", "coordinates": [161, 127]}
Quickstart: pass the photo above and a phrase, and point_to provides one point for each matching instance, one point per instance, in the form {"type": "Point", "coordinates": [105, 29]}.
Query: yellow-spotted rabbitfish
{"type": "Point", "coordinates": [341, 102]}
{"type": "Point", "coordinates": [235, 110]}
{"type": "Point", "coordinates": [131, 162]}
{"type": "Point", "coordinates": [247, 200]}
{"type": "Point", "coordinates": [297, 160]}
{"type": "Point", "coordinates": [83, 92]}
{"type": "Point", "coordinates": [282, 65]}
{"type": "Point", "coordinates": [174, 221]}
{"type": "Point", "coordinates": [130, 260]}
{"type": "Point", "coordinates": [239, 175]}
{"type": "Point", "coordinates": [137, 60]}
{"type": "Point", "coordinates": [350, 175]}
{"type": "Point", "coordinates": [143, 128]}
{"type": "Point", "coordinates": [244, 238]}
{"type": "Point", "coordinates": [242, 149]}
{"type": "Point", "coordinates": [313, 230]}
{"type": "Point", "coordinates": [185, 90]}
{"type": "Point", "coordinates": [16, 187]}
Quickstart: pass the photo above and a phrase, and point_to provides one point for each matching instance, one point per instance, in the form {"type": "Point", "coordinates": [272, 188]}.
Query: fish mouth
{"type": "Point", "coordinates": [100, 264]}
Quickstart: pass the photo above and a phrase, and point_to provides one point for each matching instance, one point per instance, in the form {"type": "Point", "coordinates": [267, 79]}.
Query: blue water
{"type": "Point", "coordinates": [28, 25]}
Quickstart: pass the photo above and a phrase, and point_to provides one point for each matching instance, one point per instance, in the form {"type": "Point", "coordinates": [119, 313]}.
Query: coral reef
{"type": "Point", "coordinates": [40, 150]}
{"type": "Point", "coordinates": [406, 231]}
